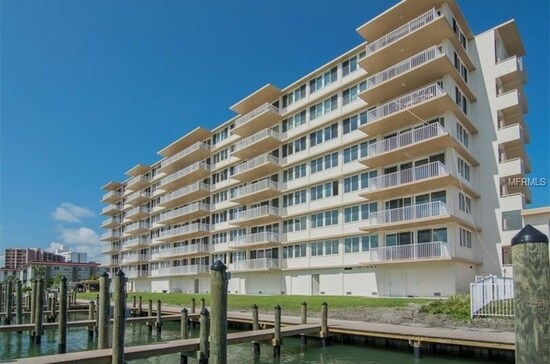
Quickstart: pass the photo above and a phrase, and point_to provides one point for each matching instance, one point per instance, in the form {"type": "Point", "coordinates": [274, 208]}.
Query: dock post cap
{"type": "Point", "coordinates": [324, 303]}
{"type": "Point", "coordinates": [529, 235]}
{"type": "Point", "coordinates": [104, 275]}
{"type": "Point", "coordinates": [254, 306]}
{"type": "Point", "coordinates": [63, 279]}
{"type": "Point", "coordinates": [277, 307]}
{"type": "Point", "coordinates": [120, 273]}
{"type": "Point", "coordinates": [205, 312]}
{"type": "Point", "coordinates": [218, 266]}
{"type": "Point", "coordinates": [304, 303]}
{"type": "Point", "coordinates": [184, 310]}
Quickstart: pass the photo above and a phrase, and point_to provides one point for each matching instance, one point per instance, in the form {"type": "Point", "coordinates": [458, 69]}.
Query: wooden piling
{"type": "Point", "coordinates": [158, 323]}
{"type": "Point", "coordinates": [324, 324]}
{"type": "Point", "coordinates": [91, 316]}
{"type": "Point", "coordinates": [184, 323]}
{"type": "Point", "coordinates": [417, 349]}
{"type": "Point", "coordinates": [8, 302]}
{"type": "Point", "coordinates": [39, 314]}
{"type": "Point", "coordinates": [1, 297]}
{"type": "Point", "coordinates": [255, 326]}
{"type": "Point", "coordinates": [103, 314]}
{"type": "Point", "coordinates": [193, 304]}
{"type": "Point", "coordinates": [203, 336]}
{"type": "Point", "coordinates": [119, 319]}
{"type": "Point", "coordinates": [203, 303]}
{"type": "Point", "coordinates": [218, 309]}
{"type": "Point", "coordinates": [277, 333]}
{"type": "Point", "coordinates": [49, 305]}
{"type": "Point", "coordinates": [531, 265]}
{"type": "Point", "coordinates": [140, 306]}
{"type": "Point", "coordinates": [134, 303]}
{"type": "Point", "coordinates": [62, 323]}
{"type": "Point", "coordinates": [34, 287]}
{"type": "Point", "coordinates": [18, 303]}
{"type": "Point", "coordinates": [303, 338]}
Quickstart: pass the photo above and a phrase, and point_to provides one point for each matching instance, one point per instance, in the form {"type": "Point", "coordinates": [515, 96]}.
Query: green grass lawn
{"type": "Point", "coordinates": [266, 303]}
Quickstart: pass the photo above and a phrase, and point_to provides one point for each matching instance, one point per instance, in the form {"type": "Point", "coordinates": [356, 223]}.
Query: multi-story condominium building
{"type": "Point", "coordinates": [384, 172]}
{"type": "Point", "coordinates": [72, 256]}
{"type": "Point", "coordinates": [15, 258]}
{"type": "Point", "coordinates": [73, 271]}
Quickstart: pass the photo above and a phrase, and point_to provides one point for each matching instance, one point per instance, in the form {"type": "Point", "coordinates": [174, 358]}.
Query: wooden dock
{"type": "Point", "coordinates": [169, 347]}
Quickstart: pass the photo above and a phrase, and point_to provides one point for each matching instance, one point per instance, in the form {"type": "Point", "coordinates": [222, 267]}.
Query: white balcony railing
{"type": "Point", "coordinates": [111, 235]}
{"type": "Point", "coordinates": [408, 213]}
{"type": "Point", "coordinates": [404, 102]}
{"type": "Point", "coordinates": [255, 187]}
{"type": "Point", "coordinates": [251, 115]}
{"type": "Point", "coordinates": [180, 270]}
{"type": "Point", "coordinates": [402, 67]}
{"type": "Point", "coordinates": [402, 31]}
{"type": "Point", "coordinates": [255, 213]}
{"type": "Point", "coordinates": [111, 207]}
{"type": "Point", "coordinates": [430, 170]}
{"type": "Point", "coordinates": [112, 220]}
{"type": "Point", "coordinates": [136, 273]}
{"type": "Point", "coordinates": [184, 172]}
{"type": "Point", "coordinates": [255, 138]}
{"type": "Point", "coordinates": [256, 162]}
{"type": "Point", "coordinates": [186, 210]}
{"type": "Point", "coordinates": [134, 258]}
{"type": "Point", "coordinates": [184, 153]}
{"type": "Point", "coordinates": [137, 210]}
{"type": "Point", "coordinates": [135, 195]}
{"type": "Point", "coordinates": [407, 138]}
{"type": "Point", "coordinates": [111, 194]}
{"type": "Point", "coordinates": [184, 191]}
{"type": "Point", "coordinates": [133, 242]}
{"type": "Point", "coordinates": [435, 249]}
{"type": "Point", "coordinates": [182, 230]}
{"type": "Point", "coordinates": [136, 180]}
{"type": "Point", "coordinates": [263, 237]}
{"type": "Point", "coordinates": [254, 264]}
{"type": "Point", "coordinates": [136, 226]}
{"type": "Point", "coordinates": [184, 249]}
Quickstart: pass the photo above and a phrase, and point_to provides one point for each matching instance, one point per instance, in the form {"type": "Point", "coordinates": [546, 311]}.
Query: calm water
{"type": "Point", "coordinates": [14, 346]}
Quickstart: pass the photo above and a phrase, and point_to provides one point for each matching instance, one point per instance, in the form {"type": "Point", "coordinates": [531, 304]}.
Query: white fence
{"type": "Point", "coordinates": [492, 296]}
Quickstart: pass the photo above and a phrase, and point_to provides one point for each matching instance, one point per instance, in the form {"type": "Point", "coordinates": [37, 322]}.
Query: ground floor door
{"type": "Point", "coordinates": [196, 286]}
{"type": "Point", "coordinates": [314, 284]}
{"type": "Point", "coordinates": [397, 283]}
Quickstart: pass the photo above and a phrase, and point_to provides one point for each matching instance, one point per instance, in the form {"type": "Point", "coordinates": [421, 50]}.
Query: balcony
{"type": "Point", "coordinates": [182, 270]}
{"type": "Point", "coordinates": [412, 144]}
{"type": "Point", "coordinates": [111, 196]}
{"type": "Point", "coordinates": [189, 155]}
{"type": "Point", "coordinates": [512, 136]}
{"type": "Point", "coordinates": [137, 213]}
{"type": "Point", "coordinates": [260, 143]}
{"type": "Point", "coordinates": [187, 232]}
{"type": "Point", "coordinates": [262, 166]}
{"type": "Point", "coordinates": [111, 235]}
{"type": "Point", "coordinates": [421, 104]}
{"type": "Point", "coordinates": [133, 243]}
{"type": "Point", "coordinates": [189, 212]}
{"type": "Point", "coordinates": [136, 228]}
{"type": "Point", "coordinates": [256, 216]}
{"type": "Point", "coordinates": [426, 30]}
{"type": "Point", "coordinates": [435, 250]}
{"type": "Point", "coordinates": [512, 168]}
{"type": "Point", "coordinates": [427, 66]}
{"type": "Point", "coordinates": [255, 240]}
{"type": "Point", "coordinates": [427, 177]}
{"type": "Point", "coordinates": [510, 72]}
{"type": "Point", "coordinates": [111, 210]}
{"type": "Point", "coordinates": [263, 117]}
{"type": "Point", "coordinates": [193, 173]}
{"type": "Point", "coordinates": [261, 264]}
{"type": "Point", "coordinates": [138, 183]}
{"type": "Point", "coordinates": [136, 274]}
{"type": "Point", "coordinates": [192, 249]}
{"type": "Point", "coordinates": [138, 198]}
{"type": "Point", "coordinates": [135, 258]}
{"type": "Point", "coordinates": [257, 191]}
{"type": "Point", "coordinates": [193, 192]}
{"type": "Point", "coordinates": [111, 248]}
{"type": "Point", "coordinates": [511, 104]}
{"type": "Point", "coordinates": [409, 216]}
{"type": "Point", "coordinates": [111, 222]}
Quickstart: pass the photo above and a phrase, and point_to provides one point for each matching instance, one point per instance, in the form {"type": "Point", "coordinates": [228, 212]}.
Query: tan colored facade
{"type": "Point", "coordinates": [372, 175]}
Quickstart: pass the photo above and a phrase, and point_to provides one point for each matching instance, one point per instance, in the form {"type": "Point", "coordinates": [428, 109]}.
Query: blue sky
{"type": "Point", "coordinates": [90, 88]}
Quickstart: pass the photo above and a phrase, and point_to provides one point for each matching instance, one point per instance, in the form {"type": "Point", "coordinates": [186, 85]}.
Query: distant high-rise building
{"type": "Point", "coordinates": [15, 258]}
{"type": "Point", "coordinates": [72, 256]}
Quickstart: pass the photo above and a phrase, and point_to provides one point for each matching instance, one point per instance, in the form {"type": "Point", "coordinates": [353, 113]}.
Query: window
{"type": "Point", "coordinates": [294, 146]}
{"type": "Point", "coordinates": [325, 190]}
{"type": "Point", "coordinates": [462, 135]}
{"type": "Point", "coordinates": [324, 80]}
{"type": "Point", "coordinates": [350, 94]}
{"type": "Point", "coordinates": [358, 182]}
{"type": "Point", "coordinates": [463, 169]}
{"type": "Point", "coordinates": [357, 151]}
{"type": "Point", "coordinates": [219, 196]}
{"type": "Point", "coordinates": [461, 100]}
{"type": "Point", "coordinates": [295, 172]}
{"type": "Point", "coordinates": [294, 96]}
{"type": "Point", "coordinates": [350, 65]}
{"type": "Point", "coordinates": [323, 135]}
{"type": "Point", "coordinates": [220, 136]}
{"type": "Point", "coordinates": [325, 162]}
{"type": "Point", "coordinates": [323, 108]}
{"type": "Point", "coordinates": [296, 224]}
{"type": "Point", "coordinates": [359, 212]}
{"type": "Point", "coordinates": [350, 124]}
{"type": "Point", "coordinates": [220, 176]}
{"type": "Point", "coordinates": [464, 203]}
{"type": "Point", "coordinates": [363, 243]}
{"type": "Point", "coordinates": [511, 220]}
{"type": "Point", "coordinates": [326, 247]}
{"type": "Point", "coordinates": [326, 218]}
{"type": "Point", "coordinates": [294, 121]}
{"type": "Point", "coordinates": [220, 156]}
{"type": "Point", "coordinates": [465, 238]}
{"type": "Point", "coordinates": [294, 251]}
{"type": "Point", "coordinates": [294, 198]}
{"type": "Point", "coordinates": [219, 217]}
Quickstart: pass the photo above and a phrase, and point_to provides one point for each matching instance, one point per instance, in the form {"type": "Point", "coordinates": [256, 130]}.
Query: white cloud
{"type": "Point", "coordinates": [54, 246]}
{"type": "Point", "coordinates": [70, 212]}
{"type": "Point", "coordinates": [82, 239]}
